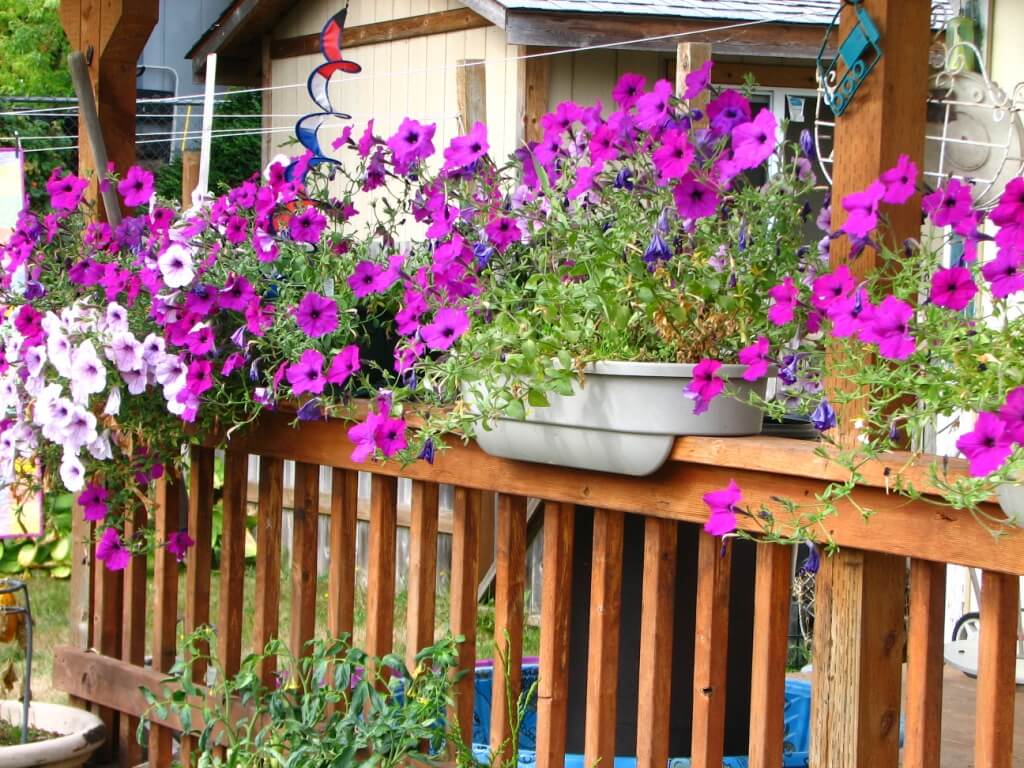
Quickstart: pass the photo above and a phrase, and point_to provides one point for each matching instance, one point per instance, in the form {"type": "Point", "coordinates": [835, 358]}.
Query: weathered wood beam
{"type": "Point", "coordinates": [771, 75]}
{"type": "Point", "coordinates": [534, 88]}
{"type": "Point", "coordinates": [384, 32]}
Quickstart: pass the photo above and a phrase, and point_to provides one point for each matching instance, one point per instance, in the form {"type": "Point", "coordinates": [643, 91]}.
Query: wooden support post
{"type": "Point", "coordinates": [165, 604]}
{"type": "Point", "coordinates": [267, 99]}
{"type": "Point", "coordinates": [189, 175]}
{"type": "Point", "coordinates": [305, 524]}
{"type": "Point", "coordinates": [380, 570]}
{"type": "Point", "coordinates": [711, 650]}
{"type": "Point", "coordinates": [268, 561]}
{"type": "Point", "coordinates": [534, 78]}
{"type": "Point", "coordinates": [923, 741]}
{"type": "Point", "coordinates": [232, 560]}
{"type": "Point", "coordinates": [470, 82]}
{"type": "Point", "coordinates": [690, 57]}
{"type": "Point", "coordinates": [133, 641]}
{"type": "Point", "coordinates": [997, 666]}
{"type": "Point", "coordinates": [80, 598]}
{"type": "Point", "coordinates": [465, 547]}
{"type": "Point", "coordinates": [341, 586]}
{"type": "Point", "coordinates": [112, 35]}
{"type": "Point", "coordinates": [859, 626]}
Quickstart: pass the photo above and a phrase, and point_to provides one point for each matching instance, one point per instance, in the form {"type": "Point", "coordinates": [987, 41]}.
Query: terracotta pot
{"type": "Point", "coordinates": [82, 733]}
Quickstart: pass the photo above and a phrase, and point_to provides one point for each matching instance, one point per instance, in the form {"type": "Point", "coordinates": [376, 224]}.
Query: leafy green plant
{"type": "Point", "coordinates": [334, 707]}
{"type": "Point", "coordinates": [52, 552]}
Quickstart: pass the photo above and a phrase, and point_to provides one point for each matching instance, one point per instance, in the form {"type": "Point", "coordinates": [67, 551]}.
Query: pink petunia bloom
{"type": "Point", "coordinates": [412, 142]}
{"type": "Point", "coordinates": [900, 181]}
{"type": "Point", "coordinates": [307, 226]}
{"type": "Point", "coordinates": [602, 146]}
{"type": "Point", "coordinates": [988, 446]}
{"type": "Point", "coordinates": [1012, 414]}
{"type": "Point", "coordinates": [888, 327]}
{"type": "Point", "coordinates": [136, 187]}
{"type": "Point", "coordinates": [265, 246]}
{"type": "Point", "coordinates": [343, 365]}
{"type": "Point", "coordinates": [466, 150]}
{"type": "Point", "coordinates": [947, 205]}
{"type": "Point", "coordinates": [363, 280]}
{"type": "Point", "coordinates": [259, 317]}
{"type": "Point", "coordinates": [112, 552]}
{"type": "Point", "coordinates": [364, 436]}
{"type": "Point", "coordinates": [727, 110]}
{"type": "Point", "coordinates": [654, 108]}
{"type": "Point", "coordinates": [94, 502]}
{"type": "Point", "coordinates": [237, 294]}
{"type": "Point", "coordinates": [850, 313]}
{"type": "Point", "coordinates": [694, 199]}
{"type": "Point", "coordinates": [316, 315]}
{"type": "Point", "coordinates": [199, 378]}
{"type": "Point", "coordinates": [307, 376]}
{"type": "Point", "coordinates": [237, 230]}
{"type": "Point", "coordinates": [754, 142]}
{"type": "Point", "coordinates": [832, 287]}
{"type": "Point", "coordinates": [953, 288]}
{"type": "Point", "coordinates": [586, 180]}
{"type": "Point", "coordinates": [178, 544]}
{"type": "Point", "coordinates": [629, 89]}
{"type": "Point", "coordinates": [675, 155]}
{"type": "Point", "coordinates": [65, 191]}
{"type": "Point", "coordinates": [697, 82]}
{"type": "Point", "coordinates": [1010, 211]}
{"type": "Point", "coordinates": [448, 325]}
{"type": "Point", "coordinates": [502, 232]}
{"type": "Point", "coordinates": [367, 140]}
{"type": "Point", "coordinates": [705, 385]}
{"type": "Point", "coordinates": [785, 297]}
{"type": "Point", "coordinates": [561, 120]}
{"type": "Point", "coordinates": [1005, 273]}
{"type": "Point", "coordinates": [755, 357]}
{"type": "Point", "coordinates": [723, 505]}
{"type": "Point", "coordinates": [390, 436]}
{"type": "Point", "coordinates": [232, 363]}
{"type": "Point", "coordinates": [863, 210]}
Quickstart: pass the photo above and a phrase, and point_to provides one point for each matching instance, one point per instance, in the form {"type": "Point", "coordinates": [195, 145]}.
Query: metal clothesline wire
{"type": "Point", "coordinates": [431, 70]}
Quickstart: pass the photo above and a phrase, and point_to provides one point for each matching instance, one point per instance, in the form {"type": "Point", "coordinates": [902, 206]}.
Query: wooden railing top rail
{"type": "Point", "coordinates": [767, 469]}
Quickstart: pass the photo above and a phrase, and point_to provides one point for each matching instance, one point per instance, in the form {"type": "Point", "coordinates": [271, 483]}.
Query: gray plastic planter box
{"type": "Point", "coordinates": [1011, 499]}
{"type": "Point", "coordinates": [624, 419]}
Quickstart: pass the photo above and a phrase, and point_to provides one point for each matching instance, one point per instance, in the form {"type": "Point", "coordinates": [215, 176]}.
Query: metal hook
{"type": "Point", "coordinates": [17, 143]}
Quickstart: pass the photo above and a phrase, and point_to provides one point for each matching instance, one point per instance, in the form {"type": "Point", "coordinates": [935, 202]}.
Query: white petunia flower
{"type": "Point", "coordinates": [176, 265]}
{"type": "Point", "coordinates": [88, 376]}
{"type": "Point", "coordinates": [72, 473]}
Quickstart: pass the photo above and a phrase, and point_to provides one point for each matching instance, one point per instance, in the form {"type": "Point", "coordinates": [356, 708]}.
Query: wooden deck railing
{"type": "Point", "coordinates": [105, 667]}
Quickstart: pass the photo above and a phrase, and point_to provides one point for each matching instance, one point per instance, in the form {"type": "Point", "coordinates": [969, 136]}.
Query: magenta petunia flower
{"type": "Point", "coordinates": [112, 552]}
{"type": "Point", "coordinates": [343, 365]}
{"type": "Point", "coordinates": [953, 288]}
{"type": "Point", "coordinates": [697, 82]}
{"type": "Point", "coordinates": [602, 147]}
{"type": "Point", "coordinates": [364, 436]}
{"type": "Point", "coordinates": [863, 210]}
{"type": "Point", "coordinates": [754, 142]}
{"type": "Point", "coordinates": [832, 287]}
{"type": "Point", "coordinates": [889, 328]}
{"type": "Point", "coordinates": [412, 142]}
{"type": "Point", "coordinates": [1012, 414]}
{"type": "Point", "coordinates": [900, 182]}
{"type": "Point", "coordinates": [93, 501]}
{"type": "Point", "coordinates": [367, 140]}
{"type": "Point", "coordinates": [65, 191]}
{"type": "Point", "coordinates": [1010, 211]}
{"type": "Point", "coordinates": [466, 150]}
{"type": "Point", "coordinates": [673, 158]}
{"type": "Point", "coordinates": [849, 314]}
{"type": "Point", "coordinates": [237, 294]}
{"type": "Point", "coordinates": [694, 199]}
{"type": "Point", "coordinates": [727, 110]}
{"type": "Point", "coordinates": [307, 226]}
{"type": "Point", "coordinates": [390, 436]}
{"type": "Point", "coordinates": [785, 297]}
{"type": "Point", "coordinates": [947, 205]}
{"type": "Point", "coordinates": [629, 89]}
{"type": "Point", "coordinates": [723, 505]}
{"type": "Point", "coordinates": [178, 544]}
{"type": "Point", "coordinates": [448, 325]}
{"type": "Point", "coordinates": [652, 109]}
{"type": "Point", "coordinates": [705, 385]}
{"type": "Point", "coordinates": [988, 446]}
{"type": "Point", "coordinates": [316, 315]}
{"type": "Point", "coordinates": [236, 231]}
{"type": "Point", "coordinates": [363, 280]}
{"type": "Point", "coordinates": [307, 375]}
{"type": "Point", "coordinates": [199, 378]}
{"type": "Point", "coordinates": [561, 120]}
{"type": "Point", "coordinates": [136, 187]}
{"type": "Point", "coordinates": [1005, 273]}
{"type": "Point", "coordinates": [502, 231]}
{"type": "Point", "coordinates": [755, 357]}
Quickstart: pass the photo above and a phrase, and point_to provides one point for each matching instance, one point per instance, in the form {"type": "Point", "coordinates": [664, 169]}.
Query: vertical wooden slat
{"type": "Point", "coordinates": [770, 650]}
{"type": "Point", "coordinates": [656, 637]}
{"type": "Point", "coordinates": [133, 641]}
{"type": "Point", "coordinates": [341, 589]}
{"type": "Point", "coordinates": [997, 663]}
{"type": "Point", "coordinates": [198, 562]}
{"type": "Point", "coordinates": [80, 587]}
{"type": "Point", "coordinates": [534, 79]}
{"type": "Point", "coordinates": [380, 573]}
{"type": "Point", "coordinates": [556, 604]}
{"type": "Point", "coordinates": [465, 550]}
{"type": "Point", "coordinates": [268, 561]}
{"type": "Point", "coordinates": [603, 655]}
{"type": "Point", "coordinates": [422, 582]}
{"type": "Point", "coordinates": [108, 590]}
{"type": "Point", "coordinates": [305, 520]}
{"type": "Point", "coordinates": [711, 649]}
{"type": "Point", "coordinates": [232, 561]}
{"type": "Point", "coordinates": [510, 582]}
{"type": "Point", "coordinates": [922, 743]}
{"type": "Point", "coordinates": [165, 602]}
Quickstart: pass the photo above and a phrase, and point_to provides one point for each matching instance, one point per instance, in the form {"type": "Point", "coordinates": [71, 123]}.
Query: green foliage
{"type": "Point", "coordinates": [335, 707]}
{"type": "Point", "coordinates": [233, 159]}
{"type": "Point", "coordinates": [50, 554]}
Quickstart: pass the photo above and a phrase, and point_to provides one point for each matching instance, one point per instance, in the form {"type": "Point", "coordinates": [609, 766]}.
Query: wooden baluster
{"type": "Point", "coordinates": [770, 651]}
{"type": "Point", "coordinates": [923, 741]}
{"type": "Point", "coordinates": [268, 561]}
{"type": "Point", "coordinates": [556, 604]}
{"type": "Point", "coordinates": [380, 574]}
{"type": "Point", "coordinates": [711, 649]}
{"type": "Point", "coordinates": [165, 603]}
{"type": "Point", "coordinates": [198, 562]}
{"type": "Point", "coordinates": [509, 586]}
{"type": "Point", "coordinates": [305, 520]}
{"type": "Point", "coordinates": [466, 512]}
{"type": "Point", "coordinates": [232, 561]}
{"type": "Point", "coordinates": [656, 637]}
{"type": "Point", "coordinates": [80, 586]}
{"type": "Point", "coordinates": [605, 621]}
{"type": "Point", "coordinates": [997, 663]}
{"type": "Point", "coordinates": [422, 582]}
{"type": "Point", "coordinates": [108, 590]}
{"type": "Point", "coordinates": [342, 579]}
{"type": "Point", "coordinates": [133, 642]}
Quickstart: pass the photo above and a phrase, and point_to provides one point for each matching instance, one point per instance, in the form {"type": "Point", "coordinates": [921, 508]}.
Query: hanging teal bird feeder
{"type": "Point", "coordinates": [858, 54]}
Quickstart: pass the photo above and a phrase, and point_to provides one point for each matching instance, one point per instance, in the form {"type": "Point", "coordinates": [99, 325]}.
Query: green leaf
{"type": "Point", "coordinates": [61, 572]}
{"type": "Point", "coordinates": [516, 410]}
{"type": "Point", "coordinates": [537, 398]}
{"type": "Point", "coordinates": [62, 549]}
{"type": "Point", "coordinates": [27, 554]}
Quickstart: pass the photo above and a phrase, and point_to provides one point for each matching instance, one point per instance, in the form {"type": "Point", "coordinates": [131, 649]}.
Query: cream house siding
{"type": "Point", "coordinates": [310, 16]}
{"type": "Point", "coordinates": [589, 76]}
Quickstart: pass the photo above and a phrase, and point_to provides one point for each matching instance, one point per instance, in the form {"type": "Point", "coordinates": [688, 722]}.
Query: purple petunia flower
{"type": "Point", "coordinates": [448, 325]}
{"type": "Point", "coordinates": [657, 250]}
{"type": "Point", "coordinates": [729, 109]}
{"type": "Point", "coordinates": [824, 416]}
{"type": "Point", "coordinates": [343, 365]}
{"type": "Point", "coordinates": [316, 315]}
{"type": "Point", "coordinates": [755, 357]}
{"type": "Point", "coordinates": [953, 288]}
{"type": "Point", "coordinates": [888, 327]}
{"type": "Point", "coordinates": [723, 505]}
{"type": "Point", "coordinates": [673, 158]}
{"type": "Point", "coordinates": [307, 376]}
{"type": "Point", "coordinates": [466, 150]}
{"type": "Point", "coordinates": [705, 385]}
{"type": "Point", "coordinates": [307, 226]}
{"type": "Point", "coordinates": [694, 199]}
{"type": "Point", "coordinates": [502, 232]}
{"type": "Point", "coordinates": [65, 191]}
{"type": "Point", "coordinates": [831, 288]}
{"type": "Point", "coordinates": [863, 210]}
{"type": "Point", "coordinates": [178, 544]}
{"type": "Point", "coordinates": [629, 89]}
{"type": "Point", "coordinates": [785, 298]}
{"type": "Point", "coordinates": [93, 501]}
{"type": "Point", "coordinates": [652, 109]}
{"type": "Point", "coordinates": [947, 205]}
{"type": "Point", "coordinates": [754, 142]}
{"type": "Point", "coordinates": [412, 142]}
{"type": "Point", "coordinates": [1012, 414]}
{"type": "Point", "coordinates": [988, 446]}
{"type": "Point", "coordinates": [136, 187]}
{"type": "Point", "coordinates": [697, 82]}
{"type": "Point", "coordinates": [112, 552]}
{"type": "Point", "coordinates": [900, 181]}
{"type": "Point", "coordinates": [1005, 273]}
{"type": "Point", "coordinates": [237, 294]}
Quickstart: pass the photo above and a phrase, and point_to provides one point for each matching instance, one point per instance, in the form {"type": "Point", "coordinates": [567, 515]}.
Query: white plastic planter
{"type": "Point", "coordinates": [624, 419]}
{"type": "Point", "coordinates": [82, 733]}
{"type": "Point", "coordinates": [1011, 499]}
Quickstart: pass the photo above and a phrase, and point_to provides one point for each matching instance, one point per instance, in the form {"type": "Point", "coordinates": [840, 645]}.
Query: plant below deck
{"type": "Point", "coordinates": [334, 707]}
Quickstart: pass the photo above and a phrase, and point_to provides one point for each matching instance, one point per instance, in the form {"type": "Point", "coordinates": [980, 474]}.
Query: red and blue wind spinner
{"type": "Point", "coordinates": [307, 129]}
